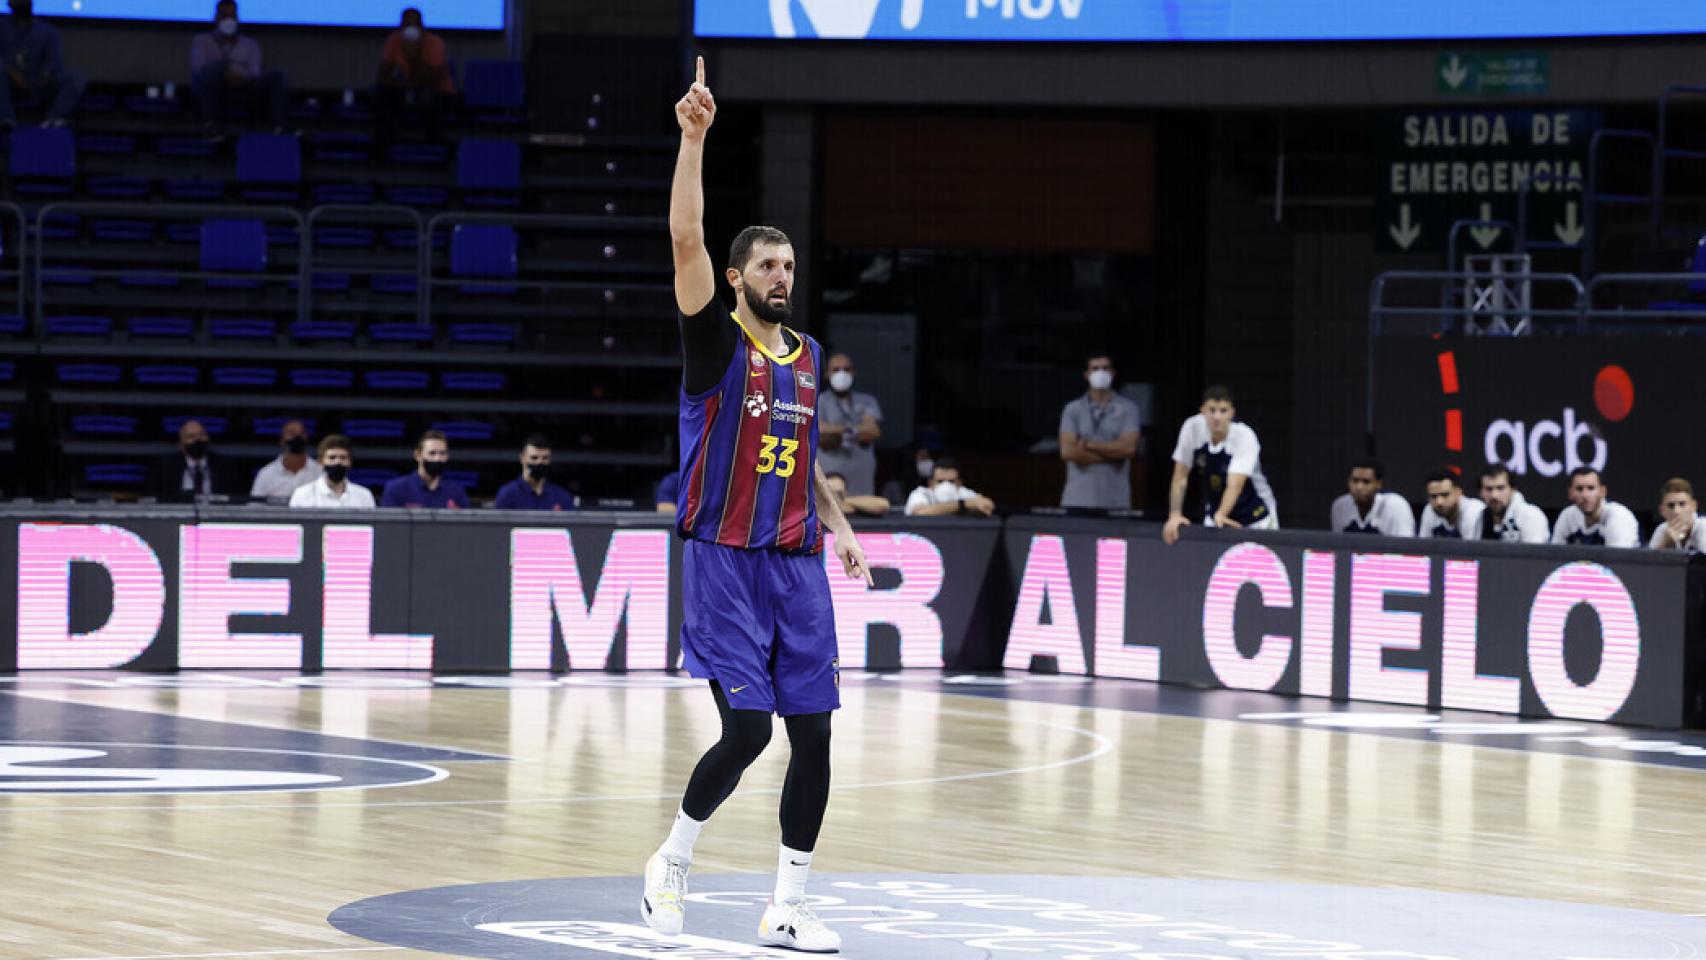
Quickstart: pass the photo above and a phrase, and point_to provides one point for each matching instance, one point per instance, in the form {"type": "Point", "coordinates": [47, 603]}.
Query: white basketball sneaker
{"type": "Point", "coordinates": [666, 886]}
{"type": "Point", "coordinates": [792, 924]}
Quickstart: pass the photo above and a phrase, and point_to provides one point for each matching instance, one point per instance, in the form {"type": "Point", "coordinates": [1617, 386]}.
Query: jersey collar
{"type": "Point", "coordinates": [799, 343]}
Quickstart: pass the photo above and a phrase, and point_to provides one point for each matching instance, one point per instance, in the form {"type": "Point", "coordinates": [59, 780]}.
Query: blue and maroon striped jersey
{"type": "Point", "coordinates": [749, 450]}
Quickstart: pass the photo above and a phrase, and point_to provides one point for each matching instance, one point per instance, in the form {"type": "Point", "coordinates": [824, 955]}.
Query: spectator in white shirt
{"type": "Point", "coordinates": [1449, 514]}
{"type": "Point", "coordinates": [944, 495]}
{"type": "Point", "coordinates": [291, 469]}
{"type": "Point", "coordinates": [1682, 528]}
{"type": "Point", "coordinates": [1368, 508]}
{"type": "Point", "coordinates": [1509, 517]}
{"type": "Point", "coordinates": [334, 490]}
{"type": "Point", "coordinates": [1227, 458]}
{"type": "Point", "coordinates": [1591, 519]}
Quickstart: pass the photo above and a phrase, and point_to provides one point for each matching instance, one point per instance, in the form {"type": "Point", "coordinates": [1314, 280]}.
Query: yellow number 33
{"type": "Point", "coordinates": [781, 464]}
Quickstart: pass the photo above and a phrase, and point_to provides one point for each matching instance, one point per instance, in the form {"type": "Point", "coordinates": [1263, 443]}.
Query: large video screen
{"type": "Point", "coordinates": [1193, 20]}
{"type": "Point", "coordinates": [439, 14]}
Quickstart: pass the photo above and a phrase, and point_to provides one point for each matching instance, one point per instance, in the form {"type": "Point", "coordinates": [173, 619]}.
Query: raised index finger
{"type": "Point", "coordinates": [699, 71]}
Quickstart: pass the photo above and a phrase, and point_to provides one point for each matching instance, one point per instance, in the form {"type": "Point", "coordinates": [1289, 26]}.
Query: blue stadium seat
{"type": "Point", "coordinates": [115, 474]}
{"type": "Point", "coordinates": [495, 90]}
{"type": "Point", "coordinates": [470, 430]}
{"type": "Point", "coordinates": [103, 425]}
{"type": "Point", "coordinates": [417, 196]}
{"type": "Point", "coordinates": [242, 328]}
{"type": "Point", "coordinates": [103, 373]}
{"type": "Point", "coordinates": [402, 238]}
{"type": "Point", "coordinates": [183, 232]}
{"type": "Point", "coordinates": [194, 191]}
{"type": "Point", "coordinates": [488, 172]}
{"type": "Point", "coordinates": [78, 326]}
{"type": "Point", "coordinates": [107, 144]}
{"type": "Point", "coordinates": [8, 371]}
{"type": "Point", "coordinates": [419, 154]}
{"type": "Point", "coordinates": [473, 381]}
{"type": "Point", "coordinates": [97, 103]}
{"type": "Point", "coordinates": [374, 478]}
{"type": "Point", "coordinates": [215, 426]}
{"type": "Point", "coordinates": [328, 282]}
{"type": "Point", "coordinates": [271, 426]}
{"type": "Point", "coordinates": [171, 327]}
{"type": "Point", "coordinates": [114, 230]}
{"type": "Point", "coordinates": [483, 250]}
{"type": "Point", "coordinates": [152, 281]}
{"type": "Point", "coordinates": [320, 331]}
{"type": "Point", "coordinates": [44, 162]}
{"type": "Point", "coordinates": [233, 246]}
{"type": "Point", "coordinates": [397, 379]}
{"type": "Point", "coordinates": [399, 283]}
{"type": "Point", "coordinates": [345, 238]}
{"type": "Point", "coordinates": [5, 422]}
{"type": "Point", "coordinates": [345, 192]}
{"type": "Point", "coordinates": [67, 277]}
{"type": "Point", "coordinates": [60, 225]}
{"type": "Point", "coordinates": [400, 333]}
{"type": "Point", "coordinates": [184, 147]}
{"type": "Point", "coordinates": [245, 376]}
{"type": "Point", "coordinates": [483, 334]}
{"type": "Point", "coordinates": [150, 106]}
{"type": "Point", "coordinates": [340, 148]}
{"type": "Point", "coordinates": [167, 375]}
{"type": "Point", "coordinates": [374, 428]}
{"type": "Point", "coordinates": [318, 379]}
{"type": "Point", "coordinates": [12, 324]}
{"type": "Point", "coordinates": [118, 188]}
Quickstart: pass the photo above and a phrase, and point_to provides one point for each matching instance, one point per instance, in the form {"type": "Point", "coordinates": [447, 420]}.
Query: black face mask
{"type": "Point", "coordinates": [196, 449]}
{"type": "Point", "coordinates": [337, 472]}
{"type": "Point", "coordinates": [296, 445]}
{"type": "Point", "coordinates": [432, 467]}
{"type": "Point", "coordinates": [538, 471]}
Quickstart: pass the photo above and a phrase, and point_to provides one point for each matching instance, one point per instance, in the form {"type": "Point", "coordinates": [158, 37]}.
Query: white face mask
{"type": "Point", "coordinates": [948, 490]}
{"type": "Point", "coordinates": [926, 468]}
{"type": "Point", "coordinates": [841, 381]}
{"type": "Point", "coordinates": [411, 33]}
{"type": "Point", "coordinates": [1101, 379]}
{"type": "Point", "coordinates": [228, 27]}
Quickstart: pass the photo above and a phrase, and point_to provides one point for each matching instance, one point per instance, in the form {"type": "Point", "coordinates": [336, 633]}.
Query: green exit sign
{"type": "Point", "coordinates": [1492, 73]}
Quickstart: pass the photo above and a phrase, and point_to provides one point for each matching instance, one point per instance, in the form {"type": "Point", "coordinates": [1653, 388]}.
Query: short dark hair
{"type": "Point", "coordinates": [1370, 464]}
{"type": "Point", "coordinates": [1218, 393]}
{"type": "Point", "coordinates": [1583, 471]}
{"type": "Point", "coordinates": [538, 441]}
{"type": "Point", "coordinates": [741, 250]}
{"type": "Point", "coordinates": [1492, 470]}
{"type": "Point", "coordinates": [1444, 473]}
{"type": "Point", "coordinates": [431, 435]}
{"type": "Point", "coordinates": [336, 441]}
{"type": "Point", "coordinates": [1095, 355]}
{"type": "Point", "coordinates": [408, 10]}
{"type": "Point", "coordinates": [222, 4]}
{"type": "Point", "coordinates": [946, 463]}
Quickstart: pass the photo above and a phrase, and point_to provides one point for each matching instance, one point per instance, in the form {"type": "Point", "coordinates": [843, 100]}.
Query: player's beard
{"type": "Point", "coordinates": [761, 308]}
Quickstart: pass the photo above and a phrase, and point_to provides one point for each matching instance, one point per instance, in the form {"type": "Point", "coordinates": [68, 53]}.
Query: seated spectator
{"type": "Point", "coordinates": [1682, 528]}
{"type": "Point", "coordinates": [1449, 514]}
{"type": "Point", "coordinates": [225, 66]}
{"type": "Point", "coordinates": [922, 463]}
{"type": "Point", "coordinates": [1368, 508]}
{"type": "Point", "coordinates": [192, 471]}
{"type": "Point", "coordinates": [1509, 517]}
{"type": "Point", "coordinates": [332, 489]}
{"type": "Point", "coordinates": [35, 64]}
{"type": "Point", "coordinates": [944, 495]}
{"type": "Point", "coordinates": [1593, 520]}
{"type": "Point", "coordinates": [290, 469]}
{"type": "Point", "coordinates": [668, 491]}
{"type": "Point", "coordinates": [873, 506]}
{"type": "Point", "coordinates": [426, 486]}
{"type": "Point", "coordinates": [531, 490]}
{"type": "Point", "coordinates": [412, 70]}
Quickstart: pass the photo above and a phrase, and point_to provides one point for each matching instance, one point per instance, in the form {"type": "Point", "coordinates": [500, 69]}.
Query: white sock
{"type": "Point", "coordinates": [791, 869]}
{"type": "Point", "coordinates": [682, 836]}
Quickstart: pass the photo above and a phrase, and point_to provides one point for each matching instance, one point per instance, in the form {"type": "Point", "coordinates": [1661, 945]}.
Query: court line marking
{"type": "Point", "coordinates": [435, 773]}
{"type": "Point", "coordinates": [252, 953]}
{"type": "Point", "coordinates": [1104, 745]}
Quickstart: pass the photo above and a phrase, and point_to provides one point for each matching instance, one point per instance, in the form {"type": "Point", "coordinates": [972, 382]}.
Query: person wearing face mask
{"type": "Point", "coordinates": [851, 424]}
{"type": "Point", "coordinates": [35, 64]}
{"type": "Point", "coordinates": [290, 469]}
{"type": "Point", "coordinates": [412, 70]}
{"type": "Point", "coordinates": [426, 487]}
{"type": "Point", "coordinates": [191, 471]}
{"type": "Point", "coordinates": [1099, 432]}
{"type": "Point", "coordinates": [225, 65]}
{"type": "Point", "coordinates": [943, 495]}
{"type": "Point", "coordinates": [531, 490]}
{"type": "Point", "coordinates": [332, 490]}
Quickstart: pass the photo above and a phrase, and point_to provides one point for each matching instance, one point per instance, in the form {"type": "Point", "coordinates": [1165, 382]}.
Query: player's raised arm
{"type": "Point", "coordinates": [695, 278]}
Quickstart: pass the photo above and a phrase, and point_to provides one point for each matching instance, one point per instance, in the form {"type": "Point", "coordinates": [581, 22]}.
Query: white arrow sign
{"type": "Point", "coordinates": [1570, 231]}
{"type": "Point", "coordinates": [1486, 236]}
{"type": "Point", "coordinates": [1404, 233]}
{"type": "Point", "coordinates": [1454, 72]}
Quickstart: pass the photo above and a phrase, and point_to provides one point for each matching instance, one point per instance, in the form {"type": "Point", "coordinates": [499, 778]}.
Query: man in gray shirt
{"type": "Point", "coordinates": [1098, 439]}
{"type": "Point", "coordinates": [849, 425]}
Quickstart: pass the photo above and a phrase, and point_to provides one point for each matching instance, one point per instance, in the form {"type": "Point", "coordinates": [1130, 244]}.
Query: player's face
{"type": "Point", "coordinates": [433, 450]}
{"type": "Point", "coordinates": [767, 283]}
{"type": "Point", "coordinates": [1219, 414]}
{"type": "Point", "coordinates": [334, 457]}
{"type": "Point", "coordinates": [1443, 496]}
{"type": "Point", "coordinates": [1364, 486]}
{"type": "Point", "coordinates": [1496, 491]}
{"type": "Point", "coordinates": [1587, 493]}
{"type": "Point", "coordinates": [1678, 505]}
{"type": "Point", "coordinates": [532, 456]}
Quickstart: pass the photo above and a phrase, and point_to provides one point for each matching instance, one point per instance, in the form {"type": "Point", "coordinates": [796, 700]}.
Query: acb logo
{"type": "Point", "coordinates": [1552, 448]}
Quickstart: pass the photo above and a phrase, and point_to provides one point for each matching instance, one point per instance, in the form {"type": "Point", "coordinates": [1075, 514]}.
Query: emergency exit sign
{"type": "Point", "coordinates": [1488, 73]}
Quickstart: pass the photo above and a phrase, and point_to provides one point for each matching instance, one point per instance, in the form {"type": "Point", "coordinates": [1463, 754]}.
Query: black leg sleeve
{"type": "Point", "coordinates": [745, 735]}
{"type": "Point", "coordinates": [805, 794]}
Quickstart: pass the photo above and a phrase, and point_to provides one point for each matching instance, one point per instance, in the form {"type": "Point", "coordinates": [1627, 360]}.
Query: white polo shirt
{"type": "Point", "coordinates": [273, 480]}
{"type": "Point", "coordinates": [1467, 527]}
{"type": "Point", "coordinates": [1523, 523]}
{"type": "Point", "coordinates": [320, 496]}
{"type": "Point", "coordinates": [1388, 515]}
{"type": "Point", "coordinates": [1617, 527]}
{"type": "Point", "coordinates": [1696, 542]}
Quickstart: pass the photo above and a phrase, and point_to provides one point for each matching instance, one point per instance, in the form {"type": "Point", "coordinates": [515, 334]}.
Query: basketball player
{"type": "Point", "coordinates": [1593, 520]}
{"type": "Point", "coordinates": [753, 507]}
{"type": "Point", "coordinates": [1368, 508]}
{"type": "Point", "coordinates": [1228, 458]}
{"type": "Point", "coordinates": [1449, 514]}
{"type": "Point", "coordinates": [1509, 516]}
{"type": "Point", "coordinates": [1683, 527]}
